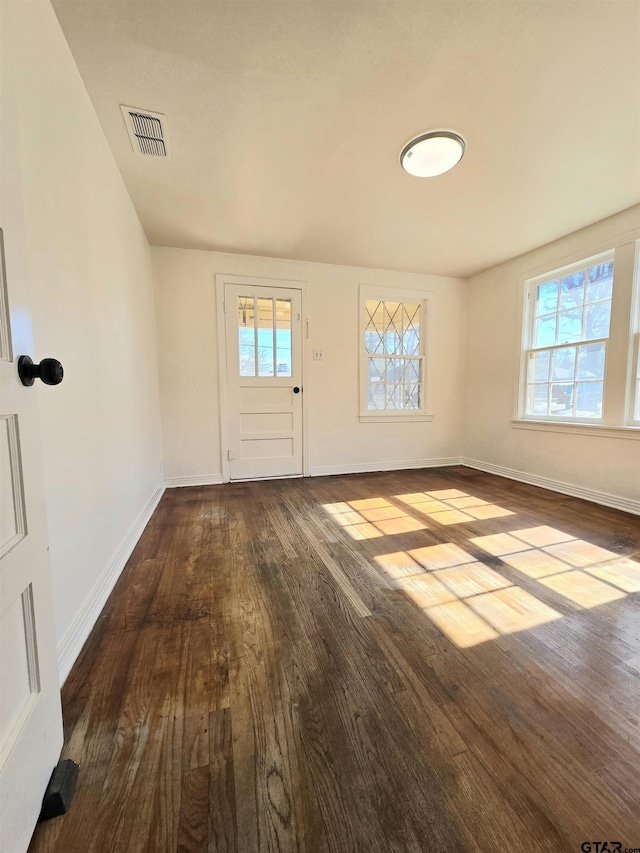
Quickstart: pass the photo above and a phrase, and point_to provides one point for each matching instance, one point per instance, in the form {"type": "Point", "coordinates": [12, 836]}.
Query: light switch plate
{"type": "Point", "coordinates": [318, 355]}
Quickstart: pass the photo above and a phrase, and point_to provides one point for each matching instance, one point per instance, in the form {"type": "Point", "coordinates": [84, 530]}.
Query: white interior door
{"type": "Point", "coordinates": [264, 381]}
{"type": "Point", "coordinates": [30, 713]}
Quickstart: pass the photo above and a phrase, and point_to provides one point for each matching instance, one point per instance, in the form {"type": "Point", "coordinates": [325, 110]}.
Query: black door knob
{"type": "Point", "coordinates": [296, 390]}
{"type": "Point", "coordinates": [49, 370]}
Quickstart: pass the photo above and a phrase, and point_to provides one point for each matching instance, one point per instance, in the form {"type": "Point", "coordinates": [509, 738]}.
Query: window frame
{"type": "Point", "coordinates": [633, 396]}
{"type": "Point", "coordinates": [391, 294]}
{"type": "Point", "coordinates": [528, 327]}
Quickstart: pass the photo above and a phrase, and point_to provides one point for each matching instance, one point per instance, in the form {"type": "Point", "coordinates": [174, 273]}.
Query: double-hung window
{"type": "Point", "coordinates": [569, 316]}
{"type": "Point", "coordinates": [393, 355]}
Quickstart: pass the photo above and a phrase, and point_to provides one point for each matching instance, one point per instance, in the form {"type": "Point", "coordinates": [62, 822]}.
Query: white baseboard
{"type": "Point", "coordinates": [371, 467]}
{"type": "Point", "coordinates": [74, 639]}
{"type": "Point", "coordinates": [603, 498]}
{"type": "Point", "coordinates": [193, 480]}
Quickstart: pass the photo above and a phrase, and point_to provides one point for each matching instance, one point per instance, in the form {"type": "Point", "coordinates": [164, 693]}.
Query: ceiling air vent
{"type": "Point", "coordinates": [147, 131]}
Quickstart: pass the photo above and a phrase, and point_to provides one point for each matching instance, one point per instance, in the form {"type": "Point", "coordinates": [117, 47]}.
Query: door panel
{"type": "Point", "coordinates": [267, 448]}
{"type": "Point", "coordinates": [264, 365]}
{"type": "Point", "coordinates": [251, 422]}
{"type": "Point", "coordinates": [16, 692]}
{"type": "Point", "coordinates": [12, 512]}
{"type": "Point", "coordinates": [30, 712]}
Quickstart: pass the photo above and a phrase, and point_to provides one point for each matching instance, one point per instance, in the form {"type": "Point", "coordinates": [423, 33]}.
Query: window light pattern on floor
{"type": "Point", "coordinates": [451, 506]}
{"type": "Point", "coordinates": [373, 517]}
{"type": "Point", "coordinates": [585, 574]}
{"type": "Point", "coordinates": [467, 600]}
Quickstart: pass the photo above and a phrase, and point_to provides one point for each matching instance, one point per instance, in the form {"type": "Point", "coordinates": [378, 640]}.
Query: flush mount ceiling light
{"type": "Point", "coordinates": [432, 153]}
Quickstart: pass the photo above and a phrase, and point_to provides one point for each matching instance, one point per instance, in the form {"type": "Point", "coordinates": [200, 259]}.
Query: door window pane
{"type": "Point", "coordinates": [265, 337]}
{"type": "Point", "coordinates": [283, 337]}
{"type": "Point", "coordinates": [246, 336]}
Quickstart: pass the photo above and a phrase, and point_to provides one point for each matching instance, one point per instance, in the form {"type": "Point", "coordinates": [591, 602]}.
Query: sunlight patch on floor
{"type": "Point", "coordinates": [461, 625]}
{"type": "Point", "coordinates": [580, 553]}
{"type": "Point", "coordinates": [371, 518]}
{"type": "Point", "coordinates": [381, 512]}
{"type": "Point", "coordinates": [472, 579]}
{"type": "Point", "coordinates": [498, 544]}
{"type": "Point", "coordinates": [581, 572]}
{"type": "Point", "coordinates": [441, 556]}
{"type": "Point", "coordinates": [370, 503]}
{"type": "Point", "coordinates": [426, 590]}
{"type": "Point", "coordinates": [512, 609]}
{"type": "Point", "coordinates": [398, 565]}
{"type": "Point", "coordinates": [466, 502]}
{"type": "Point", "coordinates": [488, 511]}
{"type": "Point", "coordinates": [427, 507]}
{"type": "Point", "coordinates": [541, 536]}
{"type": "Point", "coordinates": [452, 516]}
{"type": "Point", "coordinates": [451, 506]}
{"type": "Point", "coordinates": [404, 524]}
{"type": "Point", "coordinates": [534, 564]}
{"type": "Point", "coordinates": [467, 600]}
{"type": "Point", "coordinates": [623, 573]}
{"type": "Point", "coordinates": [581, 588]}
{"type": "Point", "coordinates": [472, 603]}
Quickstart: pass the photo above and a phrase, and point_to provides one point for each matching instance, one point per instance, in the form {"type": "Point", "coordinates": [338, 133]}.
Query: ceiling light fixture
{"type": "Point", "coordinates": [432, 153]}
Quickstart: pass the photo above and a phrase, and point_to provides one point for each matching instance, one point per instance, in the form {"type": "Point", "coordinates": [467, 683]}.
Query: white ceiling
{"type": "Point", "coordinates": [286, 120]}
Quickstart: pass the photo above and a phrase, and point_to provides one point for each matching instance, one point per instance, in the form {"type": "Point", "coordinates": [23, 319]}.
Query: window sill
{"type": "Point", "coordinates": [601, 430]}
{"type": "Point", "coordinates": [386, 418]}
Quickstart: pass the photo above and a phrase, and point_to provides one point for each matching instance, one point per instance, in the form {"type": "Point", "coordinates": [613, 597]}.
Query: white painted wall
{"type": "Point", "coordinates": [608, 465]}
{"type": "Point", "coordinates": [93, 309]}
{"type": "Point", "coordinates": [184, 283]}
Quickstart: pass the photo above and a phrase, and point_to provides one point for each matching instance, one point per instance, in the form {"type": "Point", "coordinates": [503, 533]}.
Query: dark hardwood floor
{"type": "Point", "coordinates": [353, 664]}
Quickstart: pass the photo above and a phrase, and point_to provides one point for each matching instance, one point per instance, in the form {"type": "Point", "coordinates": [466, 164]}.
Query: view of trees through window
{"type": "Point", "coordinates": [570, 321]}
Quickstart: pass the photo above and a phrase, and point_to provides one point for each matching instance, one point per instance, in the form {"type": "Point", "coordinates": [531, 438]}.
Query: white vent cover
{"type": "Point", "coordinates": [147, 131]}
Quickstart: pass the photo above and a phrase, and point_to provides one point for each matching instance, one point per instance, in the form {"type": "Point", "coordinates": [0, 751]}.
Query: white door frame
{"type": "Point", "coordinates": [223, 391]}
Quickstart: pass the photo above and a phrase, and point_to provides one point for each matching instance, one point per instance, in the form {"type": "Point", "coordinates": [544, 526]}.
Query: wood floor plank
{"type": "Point", "coordinates": [193, 822]}
{"type": "Point", "coordinates": [220, 811]}
{"type": "Point", "coordinates": [361, 664]}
